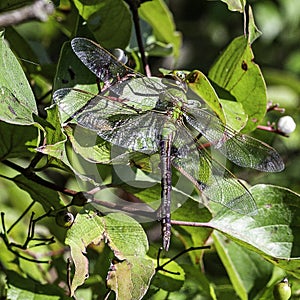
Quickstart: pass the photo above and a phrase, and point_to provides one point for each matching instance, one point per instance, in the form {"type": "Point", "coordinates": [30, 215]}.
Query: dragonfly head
{"type": "Point", "coordinates": [120, 55]}
{"type": "Point", "coordinates": [179, 78]}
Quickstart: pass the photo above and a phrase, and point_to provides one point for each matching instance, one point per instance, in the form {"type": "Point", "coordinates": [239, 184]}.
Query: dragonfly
{"type": "Point", "coordinates": [153, 115]}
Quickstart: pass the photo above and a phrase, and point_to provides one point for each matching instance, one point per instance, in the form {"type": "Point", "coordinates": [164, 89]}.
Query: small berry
{"type": "Point", "coordinates": [286, 125]}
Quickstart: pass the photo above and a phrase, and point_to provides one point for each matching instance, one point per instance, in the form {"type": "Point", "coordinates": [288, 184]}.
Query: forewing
{"type": "Point", "coordinates": [74, 103]}
{"type": "Point", "coordinates": [102, 63]}
{"type": "Point", "coordinates": [210, 177]}
{"type": "Point", "coordinates": [241, 149]}
{"type": "Point", "coordinates": [113, 121]}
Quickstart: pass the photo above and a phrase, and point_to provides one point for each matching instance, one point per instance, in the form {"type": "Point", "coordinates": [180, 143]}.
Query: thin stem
{"type": "Point", "coordinates": [4, 234]}
{"type": "Point", "coordinates": [48, 93]}
{"type": "Point", "coordinates": [39, 180]}
{"type": "Point", "coordinates": [35, 160]}
{"type": "Point", "coordinates": [271, 106]}
{"type": "Point", "coordinates": [128, 209]}
{"type": "Point", "coordinates": [10, 245]}
{"type": "Point", "coordinates": [133, 5]}
{"type": "Point", "coordinates": [30, 233]}
{"type": "Point", "coordinates": [271, 128]}
{"type": "Point", "coordinates": [21, 216]}
{"type": "Point", "coordinates": [161, 267]}
{"type": "Point", "coordinates": [48, 241]}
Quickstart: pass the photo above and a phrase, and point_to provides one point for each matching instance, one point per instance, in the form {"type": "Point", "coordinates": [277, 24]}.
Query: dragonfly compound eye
{"type": "Point", "coordinates": [120, 55]}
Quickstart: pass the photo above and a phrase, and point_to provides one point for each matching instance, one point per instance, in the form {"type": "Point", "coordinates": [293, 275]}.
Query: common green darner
{"type": "Point", "coordinates": [154, 115]}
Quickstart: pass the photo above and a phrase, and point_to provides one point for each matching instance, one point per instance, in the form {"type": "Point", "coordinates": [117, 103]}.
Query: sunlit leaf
{"type": "Point", "coordinates": [89, 145]}
{"type": "Point", "coordinates": [236, 259]}
{"type": "Point", "coordinates": [236, 72]}
{"type": "Point", "coordinates": [253, 31]}
{"type": "Point", "coordinates": [130, 279]}
{"type": "Point", "coordinates": [200, 84]}
{"type": "Point", "coordinates": [14, 86]}
{"type": "Point", "coordinates": [157, 14]}
{"type": "Point", "coordinates": [127, 240]}
{"type": "Point", "coordinates": [234, 114]}
{"type": "Point", "coordinates": [272, 232]}
{"type": "Point", "coordinates": [235, 5]}
{"type": "Point", "coordinates": [12, 111]}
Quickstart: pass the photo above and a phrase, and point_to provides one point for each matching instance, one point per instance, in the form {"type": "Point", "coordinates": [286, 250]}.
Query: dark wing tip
{"type": "Point", "coordinates": [272, 162]}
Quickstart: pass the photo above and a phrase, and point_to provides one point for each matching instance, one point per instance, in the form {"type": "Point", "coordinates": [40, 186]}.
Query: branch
{"type": "Point", "coordinates": [134, 5]}
{"type": "Point", "coordinates": [161, 267]}
{"type": "Point", "coordinates": [29, 174]}
{"type": "Point", "coordinates": [39, 10]}
{"type": "Point", "coordinates": [32, 176]}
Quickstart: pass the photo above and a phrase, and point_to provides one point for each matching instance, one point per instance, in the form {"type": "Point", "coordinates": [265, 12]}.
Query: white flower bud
{"type": "Point", "coordinates": [286, 125]}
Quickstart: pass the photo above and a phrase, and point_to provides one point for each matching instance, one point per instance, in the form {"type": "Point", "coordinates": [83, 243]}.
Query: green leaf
{"type": "Point", "coordinates": [17, 141]}
{"type": "Point", "coordinates": [47, 197]}
{"type": "Point", "coordinates": [55, 141]}
{"type": "Point", "coordinates": [273, 232]}
{"type": "Point", "coordinates": [14, 83]}
{"type": "Point", "coordinates": [71, 72]}
{"type": "Point", "coordinates": [253, 31]}
{"type": "Point", "coordinates": [12, 111]}
{"type": "Point", "coordinates": [200, 85]}
{"type": "Point", "coordinates": [169, 281]}
{"type": "Point", "coordinates": [234, 114]}
{"type": "Point", "coordinates": [109, 21]}
{"type": "Point", "coordinates": [54, 133]}
{"type": "Point", "coordinates": [25, 288]}
{"type": "Point", "coordinates": [236, 72]}
{"type": "Point", "coordinates": [22, 48]}
{"type": "Point", "coordinates": [88, 144]}
{"type": "Point", "coordinates": [192, 210]}
{"type": "Point", "coordinates": [236, 5]}
{"type": "Point", "coordinates": [130, 279]}
{"type": "Point", "coordinates": [236, 260]}
{"type": "Point", "coordinates": [158, 15]}
{"type": "Point", "coordinates": [127, 240]}
{"type": "Point", "coordinates": [17, 106]}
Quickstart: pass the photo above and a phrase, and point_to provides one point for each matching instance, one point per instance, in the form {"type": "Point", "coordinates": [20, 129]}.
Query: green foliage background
{"type": "Point", "coordinates": [190, 35]}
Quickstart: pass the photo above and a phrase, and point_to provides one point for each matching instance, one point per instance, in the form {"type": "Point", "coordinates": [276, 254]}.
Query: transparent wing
{"type": "Point", "coordinates": [210, 177]}
{"type": "Point", "coordinates": [136, 132]}
{"type": "Point", "coordinates": [74, 102]}
{"type": "Point", "coordinates": [154, 93]}
{"type": "Point", "coordinates": [102, 63]}
{"type": "Point", "coordinates": [241, 149]}
{"type": "Point", "coordinates": [113, 121]}
{"type": "Point", "coordinates": [139, 89]}
{"type": "Point", "coordinates": [148, 93]}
